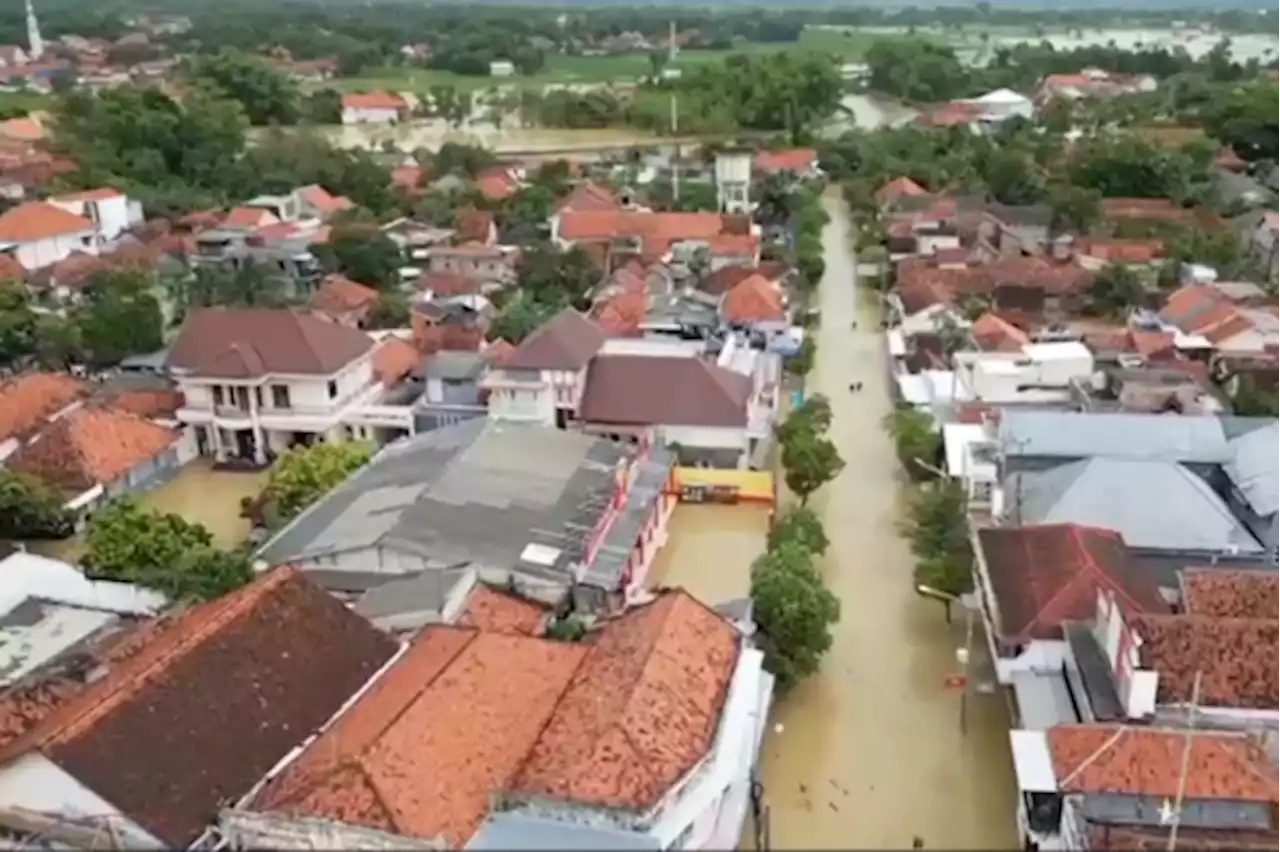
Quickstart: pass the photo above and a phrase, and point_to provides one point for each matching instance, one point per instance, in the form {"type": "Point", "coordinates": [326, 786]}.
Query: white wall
{"type": "Point", "coordinates": [706, 437]}
{"type": "Point", "coordinates": [113, 215]}
{"type": "Point", "coordinates": [36, 783]}
{"type": "Point", "coordinates": [361, 115]}
{"type": "Point", "coordinates": [38, 254]}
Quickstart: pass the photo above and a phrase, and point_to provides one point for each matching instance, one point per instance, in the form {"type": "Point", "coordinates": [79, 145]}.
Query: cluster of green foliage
{"type": "Point", "coordinates": [29, 509]}
{"type": "Point", "coordinates": [791, 604]}
{"type": "Point", "coordinates": [303, 474]}
{"type": "Point", "coordinates": [916, 440]}
{"type": "Point", "coordinates": [549, 279]}
{"type": "Point", "coordinates": [936, 525]}
{"type": "Point", "coordinates": [160, 551]}
{"type": "Point", "coordinates": [178, 157]}
{"type": "Point", "coordinates": [809, 459]}
{"type": "Point", "coordinates": [1252, 400]}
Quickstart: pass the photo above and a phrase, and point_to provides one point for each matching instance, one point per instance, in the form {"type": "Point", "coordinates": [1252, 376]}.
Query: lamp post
{"type": "Point", "coordinates": [964, 654]}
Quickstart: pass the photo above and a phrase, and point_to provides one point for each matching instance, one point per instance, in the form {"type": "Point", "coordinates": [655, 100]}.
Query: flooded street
{"type": "Point", "coordinates": [710, 549]}
{"type": "Point", "coordinates": [871, 753]}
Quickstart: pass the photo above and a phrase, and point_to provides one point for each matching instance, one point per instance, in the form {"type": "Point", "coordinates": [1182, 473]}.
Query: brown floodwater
{"type": "Point", "coordinates": [870, 752]}
{"type": "Point", "coordinates": [710, 549]}
{"type": "Point", "coordinates": [198, 493]}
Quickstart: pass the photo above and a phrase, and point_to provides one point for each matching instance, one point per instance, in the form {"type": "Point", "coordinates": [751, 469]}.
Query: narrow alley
{"type": "Point", "coordinates": [870, 753]}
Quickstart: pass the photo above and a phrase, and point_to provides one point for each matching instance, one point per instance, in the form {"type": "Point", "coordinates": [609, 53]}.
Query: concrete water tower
{"type": "Point", "coordinates": [733, 181]}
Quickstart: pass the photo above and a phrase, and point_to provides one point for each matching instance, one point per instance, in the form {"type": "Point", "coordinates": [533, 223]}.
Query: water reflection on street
{"type": "Point", "coordinates": [870, 753]}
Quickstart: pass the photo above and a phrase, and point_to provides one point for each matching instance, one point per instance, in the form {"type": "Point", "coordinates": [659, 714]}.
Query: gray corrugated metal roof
{"type": "Point", "coordinates": [1153, 437]}
{"type": "Point", "coordinates": [516, 832]}
{"type": "Point", "coordinates": [475, 493]}
{"type": "Point", "coordinates": [1154, 505]}
{"type": "Point", "coordinates": [1254, 468]}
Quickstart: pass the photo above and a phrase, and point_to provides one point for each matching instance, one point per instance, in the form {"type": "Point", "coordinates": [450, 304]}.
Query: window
{"type": "Point", "coordinates": [257, 397]}
{"type": "Point", "coordinates": [217, 395]}
{"type": "Point", "coordinates": [280, 396]}
{"type": "Point", "coordinates": [333, 390]}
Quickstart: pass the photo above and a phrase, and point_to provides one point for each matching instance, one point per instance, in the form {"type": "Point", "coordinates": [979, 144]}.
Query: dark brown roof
{"type": "Point", "coordinates": [210, 703]}
{"type": "Point", "coordinates": [242, 343]}
{"type": "Point", "coordinates": [671, 390]}
{"type": "Point", "coordinates": [1045, 575]}
{"type": "Point", "coordinates": [567, 341]}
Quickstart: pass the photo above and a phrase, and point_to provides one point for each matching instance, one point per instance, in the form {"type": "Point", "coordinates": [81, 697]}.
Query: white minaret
{"type": "Point", "coordinates": [35, 44]}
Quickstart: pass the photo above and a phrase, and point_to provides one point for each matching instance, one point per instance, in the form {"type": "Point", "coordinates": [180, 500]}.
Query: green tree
{"type": "Point", "coordinates": [266, 95]}
{"type": "Point", "coordinates": [17, 323]}
{"type": "Point", "coordinates": [794, 612]}
{"type": "Point", "coordinates": [936, 525]}
{"type": "Point", "coordinates": [161, 551]}
{"type": "Point", "coordinates": [915, 70]}
{"type": "Point", "coordinates": [304, 474]}
{"type": "Point", "coordinates": [520, 317]}
{"type": "Point", "coordinates": [120, 316]}
{"type": "Point", "coordinates": [1116, 290]}
{"type": "Point", "coordinates": [554, 275]}
{"type": "Point", "coordinates": [362, 253]}
{"type": "Point", "coordinates": [916, 440]}
{"type": "Point", "coordinates": [812, 415]}
{"type": "Point", "coordinates": [1250, 400]}
{"type": "Point", "coordinates": [809, 461]}
{"type": "Point", "coordinates": [801, 363]}
{"type": "Point", "coordinates": [391, 311]}
{"type": "Point", "coordinates": [799, 525]}
{"type": "Point", "coordinates": [323, 106]}
{"type": "Point", "coordinates": [29, 509]}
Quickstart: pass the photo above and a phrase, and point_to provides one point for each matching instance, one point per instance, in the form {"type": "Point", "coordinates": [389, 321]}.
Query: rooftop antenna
{"type": "Point", "coordinates": [1173, 814]}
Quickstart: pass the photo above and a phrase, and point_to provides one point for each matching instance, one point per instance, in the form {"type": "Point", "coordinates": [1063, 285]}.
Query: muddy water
{"type": "Point", "coordinates": [199, 494]}
{"type": "Point", "coordinates": [870, 752]}
{"type": "Point", "coordinates": [710, 549]}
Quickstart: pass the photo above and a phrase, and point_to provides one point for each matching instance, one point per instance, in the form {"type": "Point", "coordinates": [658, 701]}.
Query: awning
{"type": "Point", "coordinates": [1044, 700]}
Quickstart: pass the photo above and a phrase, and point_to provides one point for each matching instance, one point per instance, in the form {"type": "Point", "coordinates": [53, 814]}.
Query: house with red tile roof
{"type": "Point", "coordinates": [498, 182]}
{"type": "Point", "coordinates": [899, 187]}
{"type": "Point", "coordinates": [650, 236]}
{"type": "Point", "coordinates": [40, 233]}
{"type": "Point", "coordinates": [111, 211]}
{"type": "Point", "coordinates": [192, 688]}
{"type": "Point", "coordinates": [589, 197]}
{"type": "Point", "coordinates": [755, 302]}
{"type": "Point", "coordinates": [343, 301]}
{"type": "Point", "coordinates": [258, 380]}
{"type": "Point", "coordinates": [1230, 327]}
{"type": "Point", "coordinates": [1115, 786]}
{"type": "Point", "coordinates": [28, 400]}
{"type": "Point", "coordinates": [1034, 580]}
{"type": "Point", "coordinates": [469, 716]}
{"type": "Point", "coordinates": [991, 333]}
{"type": "Point", "coordinates": [314, 201]}
{"type": "Point", "coordinates": [373, 108]}
{"type": "Point", "coordinates": [800, 162]}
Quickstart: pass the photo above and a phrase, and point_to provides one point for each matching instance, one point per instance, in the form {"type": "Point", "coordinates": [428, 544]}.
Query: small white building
{"type": "Point", "coordinates": [502, 68]}
{"type": "Point", "coordinates": [1003, 104]}
{"type": "Point", "coordinates": [373, 108]}
{"type": "Point", "coordinates": [39, 234]}
{"type": "Point", "coordinates": [111, 211]}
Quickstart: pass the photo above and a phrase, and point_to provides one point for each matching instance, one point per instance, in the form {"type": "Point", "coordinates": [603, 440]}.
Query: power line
{"type": "Point", "coordinates": [1189, 741]}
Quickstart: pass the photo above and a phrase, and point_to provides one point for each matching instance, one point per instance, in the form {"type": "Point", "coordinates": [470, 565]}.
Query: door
{"type": "Point", "coordinates": [244, 444]}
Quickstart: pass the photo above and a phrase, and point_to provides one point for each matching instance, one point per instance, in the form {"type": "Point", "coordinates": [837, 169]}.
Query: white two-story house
{"type": "Point", "coordinates": [110, 210]}
{"type": "Point", "coordinates": [542, 380]}
{"type": "Point", "coordinates": [257, 381]}
{"type": "Point", "coordinates": [39, 234]}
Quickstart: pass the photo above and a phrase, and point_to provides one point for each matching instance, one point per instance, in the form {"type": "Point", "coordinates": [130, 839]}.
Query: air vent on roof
{"type": "Point", "coordinates": [540, 554]}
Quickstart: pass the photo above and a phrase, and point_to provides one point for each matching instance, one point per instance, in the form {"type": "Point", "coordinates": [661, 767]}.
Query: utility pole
{"type": "Point", "coordinates": [1188, 742]}
{"type": "Point", "coordinates": [675, 141]}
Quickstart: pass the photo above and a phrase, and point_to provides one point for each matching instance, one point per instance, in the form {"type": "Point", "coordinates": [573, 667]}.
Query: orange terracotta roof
{"type": "Point", "coordinates": [199, 684]}
{"type": "Point", "coordinates": [39, 220]}
{"type": "Point", "coordinates": [324, 202]}
{"type": "Point", "coordinates": [798, 160]}
{"type": "Point", "coordinates": [22, 128]}
{"type": "Point", "coordinates": [145, 402]}
{"type": "Point", "coordinates": [407, 176]}
{"type": "Point", "coordinates": [339, 296]}
{"type": "Point", "coordinates": [994, 334]}
{"type": "Point", "coordinates": [1151, 343]}
{"type": "Point", "coordinates": [656, 231]}
{"type": "Point", "coordinates": [754, 299]}
{"type": "Point", "coordinates": [496, 182]}
{"type": "Point", "coordinates": [614, 720]}
{"type": "Point", "coordinates": [1064, 80]}
{"type": "Point", "coordinates": [473, 225]}
{"type": "Point", "coordinates": [91, 446]}
{"type": "Point", "coordinates": [589, 197]}
{"type": "Point", "coordinates": [1147, 762]}
{"type": "Point", "coordinates": [249, 218]}
{"type": "Point", "coordinates": [1121, 251]}
{"type": "Point", "coordinates": [373, 100]}
{"type": "Point", "coordinates": [898, 188]}
{"type": "Point", "coordinates": [100, 194]}
{"type": "Point", "coordinates": [732, 244]}
{"type": "Point", "coordinates": [394, 359]}
{"type": "Point", "coordinates": [496, 611]}
{"type": "Point", "coordinates": [1222, 593]}
{"type": "Point", "coordinates": [27, 399]}
{"type": "Point", "coordinates": [623, 314]}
